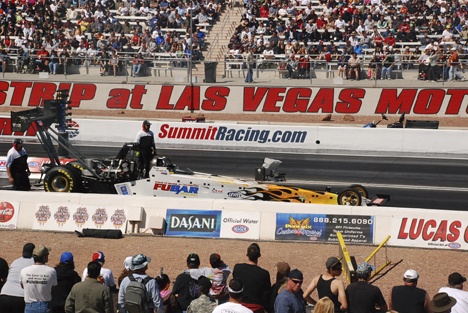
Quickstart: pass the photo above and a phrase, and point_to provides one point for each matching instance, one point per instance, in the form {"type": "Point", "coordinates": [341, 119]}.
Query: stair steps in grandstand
{"type": "Point", "coordinates": [220, 35]}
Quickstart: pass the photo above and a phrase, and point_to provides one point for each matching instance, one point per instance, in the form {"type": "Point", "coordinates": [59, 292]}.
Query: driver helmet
{"type": "Point", "coordinates": [157, 161]}
{"type": "Point", "coordinates": [146, 123]}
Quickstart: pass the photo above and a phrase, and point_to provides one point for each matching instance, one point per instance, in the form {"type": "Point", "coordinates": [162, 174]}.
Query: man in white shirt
{"type": "Point", "coordinates": [234, 305]}
{"type": "Point", "coordinates": [19, 41]}
{"type": "Point", "coordinates": [12, 295]}
{"type": "Point", "coordinates": [340, 23]}
{"type": "Point", "coordinates": [72, 14]}
{"type": "Point", "coordinates": [37, 281]}
{"type": "Point", "coordinates": [454, 289]}
{"type": "Point", "coordinates": [106, 277]}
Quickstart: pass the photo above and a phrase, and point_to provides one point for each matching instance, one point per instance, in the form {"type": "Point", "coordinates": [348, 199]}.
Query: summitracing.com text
{"type": "Point", "coordinates": [223, 133]}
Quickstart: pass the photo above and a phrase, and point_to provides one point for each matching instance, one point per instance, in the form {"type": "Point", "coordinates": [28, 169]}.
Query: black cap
{"type": "Point", "coordinates": [146, 122]}
{"type": "Point", "coordinates": [456, 279]}
{"type": "Point", "coordinates": [296, 274]}
{"type": "Point", "coordinates": [28, 250]}
{"type": "Point", "coordinates": [193, 260]}
{"type": "Point", "coordinates": [18, 141]}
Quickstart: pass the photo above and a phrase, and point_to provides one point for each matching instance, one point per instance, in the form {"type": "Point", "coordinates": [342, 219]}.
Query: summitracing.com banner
{"type": "Point", "coordinates": [323, 227]}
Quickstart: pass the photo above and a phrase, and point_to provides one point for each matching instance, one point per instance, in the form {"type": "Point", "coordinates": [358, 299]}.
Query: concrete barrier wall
{"type": "Point", "coordinates": [408, 227]}
{"type": "Point", "coordinates": [273, 138]}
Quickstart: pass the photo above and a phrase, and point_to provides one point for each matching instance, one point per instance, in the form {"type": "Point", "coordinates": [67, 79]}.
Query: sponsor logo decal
{"type": "Point", "coordinates": [234, 194]}
{"type": "Point", "coordinates": [7, 211]}
{"type": "Point", "coordinates": [176, 188]}
{"type": "Point", "coordinates": [454, 245]}
{"type": "Point", "coordinates": [240, 229]}
{"type": "Point", "coordinates": [124, 190]}
{"type": "Point", "coordinates": [99, 217]}
{"type": "Point", "coordinates": [62, 215]}
{"type": "Point", "coordinates": [43, 214]}
{"type": "Point", "coordinates": [81, 216]}
{"type": "Point", "coordinates": [118, 219]}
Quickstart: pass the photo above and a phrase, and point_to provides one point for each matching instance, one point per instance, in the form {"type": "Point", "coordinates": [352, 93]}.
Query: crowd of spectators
{"type": "Point", "coordinates": [30, 285]}
{"type": "Point", "coordinates": [46, 34]}
{"type": "Point", "coordinates": [388, 32]}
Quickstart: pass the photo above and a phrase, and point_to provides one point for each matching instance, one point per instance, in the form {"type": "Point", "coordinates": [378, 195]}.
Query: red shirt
{"type": "Point", "coordinates": [390, 41]}
{"type": "Point", "coordinates": [42, 54]}
{"type": "Point", "coordinates": [321, 23]}
{"type": "Point", "coordinates": [264, 12]}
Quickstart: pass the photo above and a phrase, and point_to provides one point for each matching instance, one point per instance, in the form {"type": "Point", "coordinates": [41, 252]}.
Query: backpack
{"type": "Point", "coordinates": [194, 289]}
{"type": "Point", "coordinates": [135, 295]}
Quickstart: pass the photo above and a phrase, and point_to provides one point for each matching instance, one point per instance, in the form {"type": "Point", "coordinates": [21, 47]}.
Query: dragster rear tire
{"type": "Point", "coordinates": [350, 197]}
{"type": "Point", "coordinates": [76, 169]}
{"type": "Point", "coordinates": [61, 179]}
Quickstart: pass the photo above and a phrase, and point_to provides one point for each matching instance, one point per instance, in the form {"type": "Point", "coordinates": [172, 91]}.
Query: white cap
{"type": "Point", "coordinates": [128, 262]}
{"type": "Point", "coordinates": [411, 274]}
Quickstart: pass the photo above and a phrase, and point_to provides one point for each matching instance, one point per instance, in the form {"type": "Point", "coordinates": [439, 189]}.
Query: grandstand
{"type": "Point", "coordinates": [292, 39]}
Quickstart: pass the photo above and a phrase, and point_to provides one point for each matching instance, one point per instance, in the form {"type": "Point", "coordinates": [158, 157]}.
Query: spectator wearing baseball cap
{"type": "Point", "coordinates": [12, 295]}
{"type": "Point", "coordinates": [328, 286]}
{"type": "Point", "coordinates": [67, 277]}
{"type": "Point", "coordinates": [37, 281]}
{"type": "Point", "coordinates": [138, 267]}
{"type": "Point", "coordinates": [362, 296]}
{"type": "Point", "coordinates": [126, 270]}
{"type": "Point", "coordinates": [454, 289]}
{"type": "Point", "coordinates": [290, 299]}
{"type": "Point", "coordinates": [189, 277]}
{"type": "Point", "coordinates": [106, 277]}
{"type": "Point", "coordinates": [408, 297]}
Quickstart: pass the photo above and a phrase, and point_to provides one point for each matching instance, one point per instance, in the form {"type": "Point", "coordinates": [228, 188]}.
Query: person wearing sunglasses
{"type": "Point", "coordinates": [328, 285]}
{"type": "Point", "coordinates": [290, 299]}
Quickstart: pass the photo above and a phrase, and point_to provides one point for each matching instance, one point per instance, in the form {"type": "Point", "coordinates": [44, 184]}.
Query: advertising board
{"type": "Point", "coordinates": [193, 223]}
{"type": "Point", "coordinates": [323, 227]}
{"type": "Point", "coordinates": [240, 224]}
{"type": "Point", "coordinates": [435, 232]}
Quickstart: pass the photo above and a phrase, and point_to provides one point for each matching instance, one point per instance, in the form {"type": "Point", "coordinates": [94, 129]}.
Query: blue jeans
{"type": "Point", "coordinates": [387, 70]}
{"type": "Point", "coordinates": [53, 67]}
{"type": "Point", "coordinates": [37, 307]}
{"type": "Point", "coordinates": [454, 73]}
{"type": "Point", "coordinates": [249, 77]}
{"type": "Point", "coordinates": [136, 69]}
